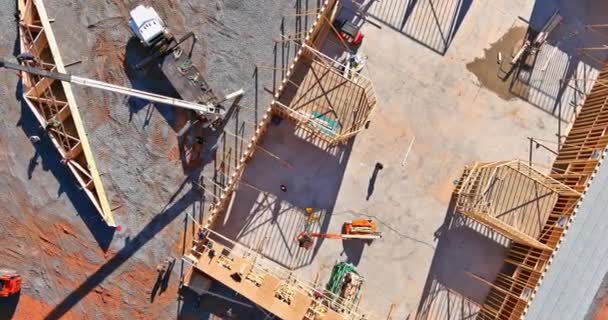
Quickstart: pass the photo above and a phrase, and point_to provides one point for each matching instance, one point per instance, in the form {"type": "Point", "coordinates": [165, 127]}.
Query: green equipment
{"type": "Point", "coordinates": [324, 123]}
{"type": "Point", "coordinates": [344, 287]}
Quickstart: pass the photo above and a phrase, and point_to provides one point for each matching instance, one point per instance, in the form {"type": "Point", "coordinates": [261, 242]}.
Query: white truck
{"type": "Point", "coordinates": [176, 64]}
{"type": "Point", "coordinates": [147, 25]}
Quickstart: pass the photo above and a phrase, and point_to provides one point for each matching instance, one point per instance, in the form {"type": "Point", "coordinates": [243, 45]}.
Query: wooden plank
{"type": "Point", "coordinates": [503, 290]}
{"type": "Point", "coordinates": [505, 229]}
{"type": "Point", "coordinates": [40, 87]}
{"type": "Point", "coordinates": [39, 44]}
{"type": "Point", "coordinates": [311, 79]}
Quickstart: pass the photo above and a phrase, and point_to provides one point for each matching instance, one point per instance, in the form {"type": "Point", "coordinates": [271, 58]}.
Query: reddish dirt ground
{"type": "Point", "coordinates": [30, 308]}
{"type": "Point", "coordinates": [602, 310]}
{"type": "Point", "coordinates": [61, 257]}
{"type": "Point", "coordinates": [51, 242]}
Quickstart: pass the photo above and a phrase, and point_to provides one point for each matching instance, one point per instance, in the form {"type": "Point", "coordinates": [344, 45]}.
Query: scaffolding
{"type": "Point", "coordinates": [54, 106]}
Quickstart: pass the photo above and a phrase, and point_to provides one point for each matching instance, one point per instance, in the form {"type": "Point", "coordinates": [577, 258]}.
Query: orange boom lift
{"type": "Point", "coordinates": [364, 229]}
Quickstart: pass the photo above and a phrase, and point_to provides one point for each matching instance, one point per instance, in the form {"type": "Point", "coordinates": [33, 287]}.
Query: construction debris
{"type": "Point", "coordinates": [531, 46]}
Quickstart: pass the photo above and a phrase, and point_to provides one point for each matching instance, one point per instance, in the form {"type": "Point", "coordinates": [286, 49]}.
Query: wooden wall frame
{"type": "Point", "coordinates": [576, 162]}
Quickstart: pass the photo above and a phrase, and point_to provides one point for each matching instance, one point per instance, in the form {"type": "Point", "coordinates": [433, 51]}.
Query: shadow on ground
{"type": "Point", "coordinates": [556, 77]}
{"type": "Point", "coordinates": [464, 247]}
{"type": "Point", "coordinates": [8, 306]}
{"type": "Point", "coordinates": [430, 23]}
{"type": "Point", "coordinates": [49, 158]}
{"type": "Point", "coordinates": [194, 306]}
{"type": "Point", "coordinates": [265, 217]}
{"type": "Point", "coordinates": [151, 78]}
{"type": "Point", "coordinates": [173, 210]}
{"type": "Point", "coordinates": [353, 249]}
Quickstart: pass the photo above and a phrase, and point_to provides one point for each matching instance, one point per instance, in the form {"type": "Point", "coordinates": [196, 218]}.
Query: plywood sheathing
{"type": "Point", "coordinates": [53, 104]}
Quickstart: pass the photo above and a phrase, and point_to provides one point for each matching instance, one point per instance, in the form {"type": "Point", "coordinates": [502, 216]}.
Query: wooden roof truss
{"type": "Point", "coordinates": [54, 105]}
{"type": "Point", "coordinates": [477, 201]}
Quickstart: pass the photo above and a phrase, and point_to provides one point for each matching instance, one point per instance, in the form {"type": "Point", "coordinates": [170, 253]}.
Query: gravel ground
{"type": "Point", "coordinates": [68, 259]}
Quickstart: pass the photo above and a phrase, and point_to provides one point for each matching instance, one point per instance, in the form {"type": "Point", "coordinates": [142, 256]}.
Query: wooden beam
{"type": "Point", "coordinates": [505, 291]}
{"type": "Point", "coordinates": [305, 118]}
{"type": "Point", "coordinates": [40, 87]}
{"type": "Point", "coordinates": [40, 42]}
{"type": "Point", "coordinates": [505, 229]}
{"type": "Point", "coordinates": [75, 151]}
{"type": "Point", "coordinates": [547, 181]}
{"type": "Point", "coordinates": [231, 257]}
{"type": "Point", "coordinates": [573, 167]}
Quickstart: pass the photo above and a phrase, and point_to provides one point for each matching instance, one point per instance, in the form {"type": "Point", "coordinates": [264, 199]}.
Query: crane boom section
{"type": "Point", "coordinates": [208, 109]}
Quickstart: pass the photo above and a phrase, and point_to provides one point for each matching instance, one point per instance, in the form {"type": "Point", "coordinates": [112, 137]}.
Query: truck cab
{"type": "Point", "coordinates": [10, 283]}
{"type": "Point", "coordinates": [148, 26]}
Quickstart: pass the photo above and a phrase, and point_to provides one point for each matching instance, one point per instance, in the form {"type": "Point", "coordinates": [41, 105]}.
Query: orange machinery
{"type": "Point", "coordinates": [365, 229]}
{"type": "Point", "coordinates": [10, 283]}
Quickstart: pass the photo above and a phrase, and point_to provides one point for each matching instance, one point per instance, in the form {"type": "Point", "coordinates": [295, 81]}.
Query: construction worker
{"type": "Point", "coordinates": [310, 216]}
{"type": "Point", "coordinates": [28, 57]}
{"type": "Point", "coordinates": [162, 268]}
{"type": "Point", "coordinates": [34, 139]}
